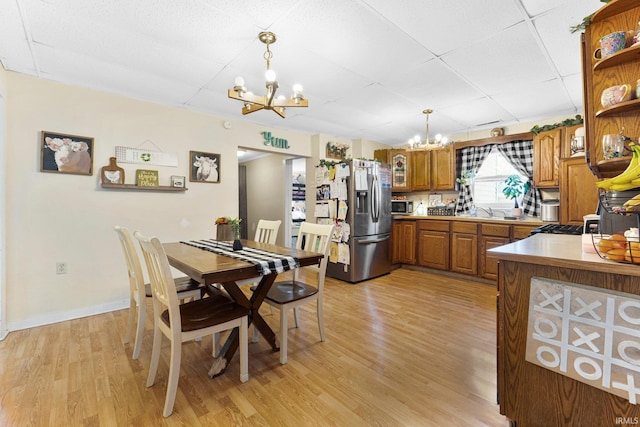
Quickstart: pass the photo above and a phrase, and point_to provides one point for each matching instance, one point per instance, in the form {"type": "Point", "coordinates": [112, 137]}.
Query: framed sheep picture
{"type": "Point", "coordinates": [205, 167]}
{"type": "Point", "coordinates": [64, 153]}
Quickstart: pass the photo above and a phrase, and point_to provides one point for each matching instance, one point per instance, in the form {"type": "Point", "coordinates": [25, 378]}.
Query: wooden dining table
{"type": "Point", "coordinates": [209, 268]}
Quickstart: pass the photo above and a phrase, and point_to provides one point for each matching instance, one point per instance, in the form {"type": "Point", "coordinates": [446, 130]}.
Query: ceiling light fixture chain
{"type": "Point", "coordinates": [252, 103]}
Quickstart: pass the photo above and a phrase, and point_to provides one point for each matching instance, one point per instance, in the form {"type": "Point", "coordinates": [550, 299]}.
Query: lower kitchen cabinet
{"type": "Point", "coordinates": [456, 246]}
{"type": "Point", "coordinates": [491, 236]}
{"type": "Point", "coordinates": [403, 242]}
{"type": "Point", "coordinates": [433, 244]}
{"type": "Point", "coordinates": [464, 247]}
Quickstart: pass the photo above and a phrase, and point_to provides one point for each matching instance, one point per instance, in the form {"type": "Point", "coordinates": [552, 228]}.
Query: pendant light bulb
{"type": "Point", "coordinates": [270, 76]}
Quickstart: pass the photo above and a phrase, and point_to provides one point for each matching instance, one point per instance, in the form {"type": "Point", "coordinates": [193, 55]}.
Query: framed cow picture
{"type": "Point", "coordinates": [205, 167]}
{"type": "Point", "coordinates": [64, 153]}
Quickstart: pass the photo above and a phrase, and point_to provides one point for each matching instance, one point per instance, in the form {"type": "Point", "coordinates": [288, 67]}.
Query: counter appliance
{"type": "Point", "coordinates": [369, 218]}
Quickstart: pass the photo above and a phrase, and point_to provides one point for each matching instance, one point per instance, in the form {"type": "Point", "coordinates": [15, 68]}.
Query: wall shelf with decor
{"type": "Point", "coordinates": [137, 187]}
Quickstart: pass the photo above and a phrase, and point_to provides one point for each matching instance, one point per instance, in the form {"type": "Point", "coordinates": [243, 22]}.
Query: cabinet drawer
{"type": "Point", "coordinates": [498, 230]}
{"type": "Point", "coordinates": [522, 231]}
{"type": "Point", "coordinates": [464, 227]}
{"type": "Point", "coordinates": [434, 225]}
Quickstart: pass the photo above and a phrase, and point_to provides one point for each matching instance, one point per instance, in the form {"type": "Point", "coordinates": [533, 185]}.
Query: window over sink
{"type": "Point", "coordinates": [486, 187]}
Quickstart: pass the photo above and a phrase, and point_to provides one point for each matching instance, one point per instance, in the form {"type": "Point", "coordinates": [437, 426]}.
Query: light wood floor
{"type": "Point", "coordinates": [407, 349]}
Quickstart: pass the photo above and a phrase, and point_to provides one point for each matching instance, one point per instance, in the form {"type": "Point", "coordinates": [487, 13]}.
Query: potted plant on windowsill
{"type": "Point", "coordinates": [514, 188]}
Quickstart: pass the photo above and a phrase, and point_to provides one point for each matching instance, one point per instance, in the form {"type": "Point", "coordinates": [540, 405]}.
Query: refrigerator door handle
{"type": "Point", "coordinates": [370, 241]}
{"type": "Point", "coordinates": [375, 199]}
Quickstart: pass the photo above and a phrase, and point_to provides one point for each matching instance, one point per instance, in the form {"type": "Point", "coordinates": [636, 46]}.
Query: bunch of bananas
{"type": "Point", "coordinates": [628, 179]}
{"type": "Point", "coordinates": [632, 202]}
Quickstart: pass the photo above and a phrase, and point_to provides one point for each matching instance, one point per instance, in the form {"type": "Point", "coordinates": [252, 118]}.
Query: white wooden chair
{"type": "Point", "coordinates": [138, 290]}
{"type": "Point", "coordinates": [292, 294]}
{"type": "Point", "coordinates": [184, 322]}
{"type": "Point", "coordinates": [267, 231]}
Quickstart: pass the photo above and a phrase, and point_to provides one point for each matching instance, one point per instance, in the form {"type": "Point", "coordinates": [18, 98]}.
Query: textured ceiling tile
{"type": "Point", "coordinates": [444, 25]}
{"type": "Point", "coordinates": [505, 62]}
{"type": "Point", "coordinates": [534, 100]}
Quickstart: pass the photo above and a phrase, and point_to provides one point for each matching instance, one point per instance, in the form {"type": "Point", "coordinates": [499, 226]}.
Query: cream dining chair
{"type": "Point", "coordinates": [267, 231]}
{"type": "Point", "coordinates": [292, 294]}
{"type": "Point", "coordinates": [139, 291]}
{"type": "Point", "coordinates": [185, 322]}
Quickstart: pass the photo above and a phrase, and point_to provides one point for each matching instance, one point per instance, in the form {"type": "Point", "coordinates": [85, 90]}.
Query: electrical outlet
{"type": "Point", "coordinates": [61, 268]}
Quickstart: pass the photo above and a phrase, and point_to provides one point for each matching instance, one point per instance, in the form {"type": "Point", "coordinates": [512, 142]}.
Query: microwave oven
{"type": "Point", "coordinates": [401, 207]}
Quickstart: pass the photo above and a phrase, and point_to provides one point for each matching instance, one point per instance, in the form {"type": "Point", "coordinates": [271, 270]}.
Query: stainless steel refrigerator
{"type": "Point", "coordinates": [369, 218]}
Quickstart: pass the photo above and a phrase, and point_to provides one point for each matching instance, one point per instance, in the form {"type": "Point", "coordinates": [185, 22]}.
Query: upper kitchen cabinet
{"type": "Point", "coordinates": [599, 74]}
{"type": "Point", "coordinates": [546, 156]}
{"type": "Point", "coordinates": [433, 170]}
{"type": "Point", "coordinates": [400, 170]}
{"type": "Point", "coordinates": [578, 195]}
{"type": "Point", "coordinates": [443, 169]}
{"type": "Point", "coordinates": [421, 168]}
{"type": "Point", "coordinates": [400, 162]}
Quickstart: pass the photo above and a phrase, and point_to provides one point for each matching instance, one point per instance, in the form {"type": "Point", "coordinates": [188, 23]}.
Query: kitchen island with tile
{"type": "Point", "coordinates": [568, 340]}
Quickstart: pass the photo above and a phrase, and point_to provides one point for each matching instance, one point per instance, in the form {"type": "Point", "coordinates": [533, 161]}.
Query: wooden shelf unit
{"type": "Point", "coordinates": [136, 187]}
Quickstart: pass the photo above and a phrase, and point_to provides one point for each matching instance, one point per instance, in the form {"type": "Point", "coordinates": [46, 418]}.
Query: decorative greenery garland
{"type": "Point", "coordinates": [585, 21]}
{"type": "Point", "coordinates": [567, 122]}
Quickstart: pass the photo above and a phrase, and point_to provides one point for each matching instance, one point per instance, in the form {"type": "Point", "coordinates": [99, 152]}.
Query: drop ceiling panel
{"type": "Point", "coordinates": [444, 25]}
{"type": "Point", "coordinates": [477, 113]}
{"type": "Point", "coordinates": [431, 85]}
{"type": "Point", "coordinates": [89, 72]}
{"type": "Point", "coordinates": [504, 62]}
{"type": "Point", "coordinates": [354, 37]}
{"type": "Point", "coordinates": [534, 100]}
{"type": "Point", "coordinates": [562, 45]}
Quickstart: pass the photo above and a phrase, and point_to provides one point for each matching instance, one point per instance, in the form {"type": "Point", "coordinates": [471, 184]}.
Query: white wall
{"type": "Point", "coordinates": [266, 193]}
{"type": "Point", "coordinates": [3, 131]}
{"type": "Point", "coordinates": [55, 217]}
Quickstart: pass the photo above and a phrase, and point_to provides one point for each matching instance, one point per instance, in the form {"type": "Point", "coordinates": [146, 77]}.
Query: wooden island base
{"type": "Point", "coordinates": [533, 395]}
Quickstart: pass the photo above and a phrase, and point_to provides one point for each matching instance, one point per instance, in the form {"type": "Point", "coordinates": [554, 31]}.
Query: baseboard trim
{"type": "Point", "coordinates": [63, 316]}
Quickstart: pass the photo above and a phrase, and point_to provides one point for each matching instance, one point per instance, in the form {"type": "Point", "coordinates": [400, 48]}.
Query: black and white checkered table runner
{"type": "Point", "coordinates": [267, 262]}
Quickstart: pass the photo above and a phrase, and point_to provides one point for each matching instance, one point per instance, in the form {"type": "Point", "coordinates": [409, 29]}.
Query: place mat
{"type": "Point", "coordinates": [267, 262]}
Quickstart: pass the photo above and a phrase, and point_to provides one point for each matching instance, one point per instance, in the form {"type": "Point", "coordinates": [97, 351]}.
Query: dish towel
{"type": "Point", "coordinates": [266, 262]}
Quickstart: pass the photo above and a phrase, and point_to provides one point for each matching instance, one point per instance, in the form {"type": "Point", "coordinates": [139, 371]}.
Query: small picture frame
{"type": "Point", "coordinates": [205, 167]}
{"type": "Point", "coordinates": [146, 178]}
{"type": "Point", "coordinates": [177, 181]}
{"type": "Point", "coordinates": [63, 153]}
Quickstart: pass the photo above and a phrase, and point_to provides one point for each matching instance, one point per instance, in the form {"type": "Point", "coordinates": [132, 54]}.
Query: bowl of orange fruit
{"type": "Point", "coordinates": [617, 247]}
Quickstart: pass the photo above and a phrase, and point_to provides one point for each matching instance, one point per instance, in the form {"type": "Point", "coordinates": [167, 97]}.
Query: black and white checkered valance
{"type": "Point", "coordinates": [472, 158]}
{"type": "Point", "coordinates": [266, 262]}
{"type": "Point", "coordinates": [520, 155]}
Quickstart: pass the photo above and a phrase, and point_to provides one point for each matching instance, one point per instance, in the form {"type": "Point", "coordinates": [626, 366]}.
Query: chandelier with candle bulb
{"type": "Point", "coordinates": [416, 143]}
{"type": "Point", "coordinates": [253, 103]}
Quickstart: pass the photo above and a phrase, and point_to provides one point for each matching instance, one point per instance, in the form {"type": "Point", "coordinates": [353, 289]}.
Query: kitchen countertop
{"type": "Point", "coordinates": [528, 221]}
{"type": "Point", "coordinates": [560, 250]}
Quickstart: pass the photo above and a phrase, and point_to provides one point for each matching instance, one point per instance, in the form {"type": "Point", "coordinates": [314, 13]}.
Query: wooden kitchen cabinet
{"type": "Point", "coordinates": [421, 170]}
{"type": "Point", "coordinates": [403, 242]}
{"type": "Point", "coordinates": [598, 75]}
{"type": "Point", "coordinates": [443, 169]}
{"type": "Point", "coordinates": [568, 133]}
{"type": "Point", "coordinates": [546, 156]}
{"type": "Point", "coordinates": [433, 244]}
{"type": "Point", "coordinates": [464, 247]}
{"type": "Point", "coordinates": [578, 192]}
{"type": "Point", "coordinates": [400, 162]}
{"type": "Point", "coordinates": [491, 236]}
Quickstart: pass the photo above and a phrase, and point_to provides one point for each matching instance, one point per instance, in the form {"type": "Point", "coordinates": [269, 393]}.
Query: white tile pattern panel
{"type": "Point", "coordinates": [369, 67]}
{"type": "Point", "coordinates": [589, 334]}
